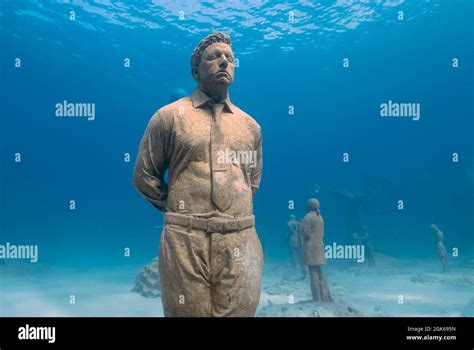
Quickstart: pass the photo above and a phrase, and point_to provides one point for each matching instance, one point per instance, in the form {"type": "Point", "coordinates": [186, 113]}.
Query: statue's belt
{"type": "Point", "coordinates": [214, 224]}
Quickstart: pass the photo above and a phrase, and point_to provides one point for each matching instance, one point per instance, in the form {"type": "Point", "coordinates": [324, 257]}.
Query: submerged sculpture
{"type": "Point", "coordinates": [442, 252]}
{"type": "Point", "coordinates": [313, 251]}
{"type": "Point", "coordinates": [210, 257]}
{"type": "Point", "coordinates": [294, 242]}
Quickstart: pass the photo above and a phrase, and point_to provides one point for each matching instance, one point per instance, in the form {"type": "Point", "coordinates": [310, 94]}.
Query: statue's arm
{"type": "Point", "coordinates": [256, 172]}
{"type": "Point", "coordinates": [152, 162]}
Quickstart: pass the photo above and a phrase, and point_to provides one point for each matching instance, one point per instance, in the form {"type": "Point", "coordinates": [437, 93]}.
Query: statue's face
{"type": "Point", "coordinates": [216, 66]}
{"type": "Point", "coordinates": [318, 207]}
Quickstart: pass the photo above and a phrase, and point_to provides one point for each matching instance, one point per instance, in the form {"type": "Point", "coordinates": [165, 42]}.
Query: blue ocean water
{"type": "Point", "coordinates": [292, 56]}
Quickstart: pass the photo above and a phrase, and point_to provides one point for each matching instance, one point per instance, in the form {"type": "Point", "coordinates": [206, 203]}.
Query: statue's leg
{"type": "Point", "coordinates": [236, 273]}
{"type": "Point", "coordinates": [293, 257]}
{"type": "Point", "coordinates": [314, 282]}
{"type": "Point", "coordinates": [184, 272]}
{"type": "Point", "coordinates": [325, 293]}
{"type": "Point", "coordinates": [302, 265]}
{"type": "Point", "coordinates": [444, 262]}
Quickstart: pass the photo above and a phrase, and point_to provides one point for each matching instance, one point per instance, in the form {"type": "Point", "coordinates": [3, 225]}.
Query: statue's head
{"type": "Point", "coordinates": [313, 205]}
{"type": "Point", "coordinates": [212, 62]}
{"type": "Point", "coordinates": [292, 217]}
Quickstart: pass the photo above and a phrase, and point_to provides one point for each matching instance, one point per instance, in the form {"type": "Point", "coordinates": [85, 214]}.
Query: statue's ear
{"type": "Point", "coordinates": [195, 73]}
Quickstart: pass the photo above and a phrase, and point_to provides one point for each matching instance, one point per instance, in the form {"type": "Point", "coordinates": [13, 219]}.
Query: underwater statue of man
{"type": "Point", "coordinates": [442, 252]}
{"type": "Point", "coordinates": [294, 242]}
{"type": "Point", "coordinates": [210, 257]}
{"type": "Point", "coordinates": [313, 251]}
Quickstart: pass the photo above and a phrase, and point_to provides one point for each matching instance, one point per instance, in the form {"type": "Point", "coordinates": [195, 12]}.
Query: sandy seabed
{"type": "Point", "coordinates": [394, 287]}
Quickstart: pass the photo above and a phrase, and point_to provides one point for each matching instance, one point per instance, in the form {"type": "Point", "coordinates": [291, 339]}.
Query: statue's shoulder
{"type": "Point", "coordinates": [174, 107]}
{"type": "Point", "coordinates": [166, 114]}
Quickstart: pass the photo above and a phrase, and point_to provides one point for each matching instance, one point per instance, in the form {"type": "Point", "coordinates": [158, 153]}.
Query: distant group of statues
{"type": "Point", "coordinates": [305, 239]}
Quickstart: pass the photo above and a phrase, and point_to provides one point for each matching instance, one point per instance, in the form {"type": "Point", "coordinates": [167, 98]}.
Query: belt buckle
{"type": "Point", "coordinates": [210, 225]}
{"type": "Point", "coordinates": [216, 225]}
{"type": "Point", "coordinates": [189, 223]}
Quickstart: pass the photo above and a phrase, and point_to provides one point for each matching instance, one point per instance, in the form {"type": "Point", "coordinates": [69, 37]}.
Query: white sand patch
{"type": "Point", "coordinates": [96, 293]}
{"type": "Point", "coordinates": [358, 290]}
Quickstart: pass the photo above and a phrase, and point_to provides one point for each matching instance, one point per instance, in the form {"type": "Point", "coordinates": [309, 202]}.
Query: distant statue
{"type": "Point", "coordinates": [313, 251]}
{"type": "Point", "coordinates": [353, 223]}
{"type": "Point", "coordinates": [294, 242]}
{"type": "Point", "coordinates": [442, 252]}
{"type": "Point", "coordinates": [363, 239]}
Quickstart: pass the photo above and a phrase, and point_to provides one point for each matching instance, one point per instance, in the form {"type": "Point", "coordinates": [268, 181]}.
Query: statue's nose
{"type": "Point", "coordinates": [224, 62]}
